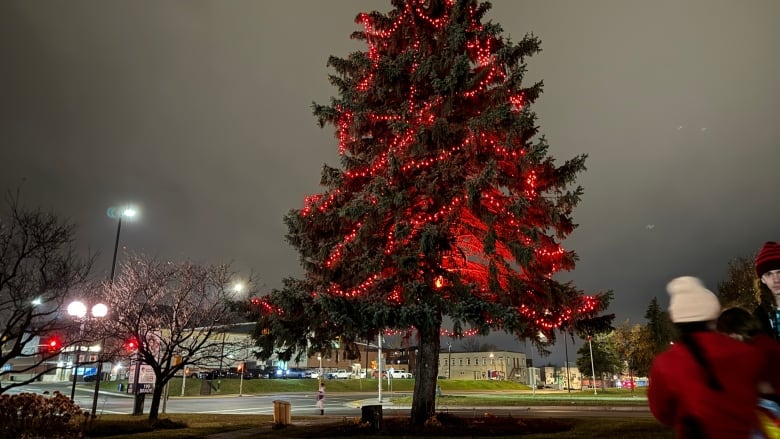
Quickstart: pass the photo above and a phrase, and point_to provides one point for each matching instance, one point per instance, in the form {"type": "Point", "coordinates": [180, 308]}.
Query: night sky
{"type": "Point", "coordinates": [199, 113]}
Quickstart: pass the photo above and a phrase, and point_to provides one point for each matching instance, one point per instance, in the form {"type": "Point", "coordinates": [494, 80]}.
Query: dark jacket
{"type": "Point", "coordinates": [681, 396]}
{"type": "Point", "coordinates": [770, 323]}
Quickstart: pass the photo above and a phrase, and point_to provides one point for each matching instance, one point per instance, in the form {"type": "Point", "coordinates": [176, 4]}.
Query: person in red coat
{"type": "Point", "coordinates": [706, 384]}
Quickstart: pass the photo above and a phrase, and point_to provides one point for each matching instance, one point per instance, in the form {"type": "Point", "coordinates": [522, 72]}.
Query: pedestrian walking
{"type": "Point", "coordinates": [321, 399]}
{"type": "Point", "coordinates": [706, 384]}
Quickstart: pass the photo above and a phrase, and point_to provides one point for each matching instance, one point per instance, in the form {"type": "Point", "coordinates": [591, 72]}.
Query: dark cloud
{"type": "Point", "coordinates": [199, 111]}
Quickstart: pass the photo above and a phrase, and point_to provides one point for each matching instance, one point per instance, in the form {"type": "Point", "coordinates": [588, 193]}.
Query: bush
{"type": "Point", "coordinates": [33, 416]}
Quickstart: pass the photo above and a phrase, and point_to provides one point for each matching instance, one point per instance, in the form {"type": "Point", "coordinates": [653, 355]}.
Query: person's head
{"type": "Point", "coordinates": [738, 323]}
{"type": "Point", "coordinates": [690, 302]}
{"type": "Point", "coordinates": [768, 267]}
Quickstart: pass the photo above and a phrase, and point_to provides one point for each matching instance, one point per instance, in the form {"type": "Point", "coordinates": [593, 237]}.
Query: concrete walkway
{"type": "Point", "coordinates": [237, 434]}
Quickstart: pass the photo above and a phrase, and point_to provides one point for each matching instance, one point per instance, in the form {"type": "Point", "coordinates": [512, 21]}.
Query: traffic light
{"type": "Point", "coordinates": [53, 344]}
{"type": "Point", "coordinates": [131, 345]}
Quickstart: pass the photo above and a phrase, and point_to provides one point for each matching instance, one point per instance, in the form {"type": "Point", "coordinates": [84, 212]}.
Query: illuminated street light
{"type": "Point", "coordinates": [128, 212]}
{"type": "Point", "coordinates": [78, 310]}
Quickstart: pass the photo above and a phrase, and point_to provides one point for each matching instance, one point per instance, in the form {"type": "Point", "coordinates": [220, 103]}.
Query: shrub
{"type": "Point", "coordinates": [32, 416]}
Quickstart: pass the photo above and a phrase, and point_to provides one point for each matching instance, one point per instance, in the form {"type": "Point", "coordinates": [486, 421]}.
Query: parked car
{"type": "Point", "coordinates": [340, 374]}
{"type": "Point", "coordinates": [400, 374]}
{"type": "Point", "coordinates": [296, 372]}
{"type": "Point", "coordinates": [258, 373]}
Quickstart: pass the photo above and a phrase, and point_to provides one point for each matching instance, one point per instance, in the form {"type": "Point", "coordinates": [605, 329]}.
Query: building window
{"type": "Point", "coordinates": [468, 361]}
{"type": "Point", "coordinates": [460, 362]}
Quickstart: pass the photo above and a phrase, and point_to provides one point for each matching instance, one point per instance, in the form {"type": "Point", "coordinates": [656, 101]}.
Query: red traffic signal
{"type": "Point", "coordinates": [53, 344]}
{"type": "Point", "coordinates": [131, 345]}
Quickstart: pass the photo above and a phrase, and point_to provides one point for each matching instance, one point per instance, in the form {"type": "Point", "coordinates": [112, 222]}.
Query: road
{"type": "Point", "coordinates": [303, 404]}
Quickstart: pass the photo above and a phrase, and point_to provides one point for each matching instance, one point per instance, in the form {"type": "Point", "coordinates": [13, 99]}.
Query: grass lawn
{"type": "Point", "coordinates": [454, 393]}
{"type": "Point", "coordinates": [232, 386]}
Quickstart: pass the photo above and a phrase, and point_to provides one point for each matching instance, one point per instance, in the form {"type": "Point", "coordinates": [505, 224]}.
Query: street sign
{"type": "Point", "coordinates": [142, 388]}
{"type": "Point", "coordinates": [145, 388]}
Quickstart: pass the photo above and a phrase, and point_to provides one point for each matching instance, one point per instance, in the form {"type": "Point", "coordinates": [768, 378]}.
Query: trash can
{"type": "Point", "coordinates": [120, 387]}
{"type": "Point", "coordinates": [282, 414]}
{"type": "Point", "coordinates": [372, 415]}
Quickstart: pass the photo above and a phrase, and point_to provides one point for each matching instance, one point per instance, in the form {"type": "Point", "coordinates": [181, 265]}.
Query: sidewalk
{"type": "Point", "coordinates": [236, 434]}
{"type": "Point", "coordinates": [302, 422]}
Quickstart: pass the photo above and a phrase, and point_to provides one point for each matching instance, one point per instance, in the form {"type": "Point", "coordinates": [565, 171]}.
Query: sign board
{"type": "Point", "coordinates": [143, 388]}
{"type": "Point", "coordinates": [145, 376]}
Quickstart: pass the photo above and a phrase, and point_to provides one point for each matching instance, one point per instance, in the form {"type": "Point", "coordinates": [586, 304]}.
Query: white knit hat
{"type": "Point", "coordinates": [689, 301]}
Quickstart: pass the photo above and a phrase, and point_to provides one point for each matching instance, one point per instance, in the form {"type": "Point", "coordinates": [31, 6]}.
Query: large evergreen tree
{"type": "Point", "coordinates": [446, 204]}
{"type": "Point", "coordinates": [660, 330]}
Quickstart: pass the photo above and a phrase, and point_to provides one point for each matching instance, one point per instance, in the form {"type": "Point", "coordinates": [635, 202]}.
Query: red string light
{"type": "Point", "coordinates": [397, 133]}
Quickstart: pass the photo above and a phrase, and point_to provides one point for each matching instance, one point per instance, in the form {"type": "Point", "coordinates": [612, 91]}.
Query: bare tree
{"type": "Point", "coordinates": [38, 269]}
{"type": "Point", "coordinates": [175, 313]}
{"type": "Point", "coordinates": [474, 344]}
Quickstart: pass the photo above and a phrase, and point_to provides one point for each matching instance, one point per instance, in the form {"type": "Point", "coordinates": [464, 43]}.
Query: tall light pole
{"type": "Point", "coordinates": [127, 212]}
{"type": "Point", "coordinates": [221, 357]}
{"type": "Point", "coordinates": [319, 371]}
{"type": "Point", "coordinates": [592, 369]}
{"type": "Point", "coordinates": [379, 366]}
{"type": "Point", "coordinates": [237, 288]}
{"type": "Point", "coordinates": [568, 375]}
{"type": "Point", "coordinates": [449, 360]}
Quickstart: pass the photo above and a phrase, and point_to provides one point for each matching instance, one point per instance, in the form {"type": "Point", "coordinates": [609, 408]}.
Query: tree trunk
{"type": "Point", "coordinates": [426, 372]}
{"type": "Point", "coordinates": [156, 397]}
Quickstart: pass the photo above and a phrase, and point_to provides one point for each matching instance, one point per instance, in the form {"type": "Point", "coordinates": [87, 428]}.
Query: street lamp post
{"type": "Point", "coordinates": [319, 371]}
{"type": "Point", "coordinates": [128, 212]}
{"type": "Point", "coordinates": [568, 374]}
{"type": "Point", "coordinates": [449, 360]}
{"type": "Point", "coordinates": [592, 368]}
{"type": "Point", "coordinates": [379, 366]}
{"type": "Point", "coordinates": [79, 310]}
{"type": "Point", "coordinates": [221, 357]}
{"type": "Point", "coordinates": [237, 288]}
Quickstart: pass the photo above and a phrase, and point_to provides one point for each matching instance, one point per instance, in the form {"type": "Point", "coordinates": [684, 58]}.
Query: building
{"type": "Point", "coordinates": [562, 378]}
{"type": "Point", "coordinates": [496, 365]}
